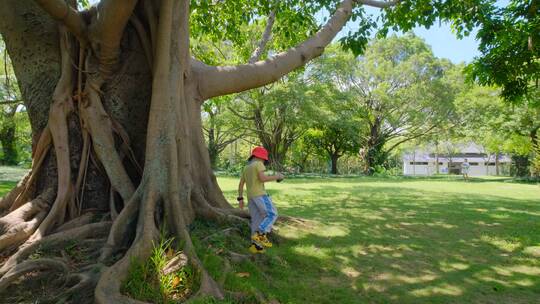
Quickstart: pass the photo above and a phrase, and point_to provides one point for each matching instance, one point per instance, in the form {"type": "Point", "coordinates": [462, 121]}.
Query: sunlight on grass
{"type": "Point", "coordinates": [502, 244]}
{"type": "Point", "coordinates": [532, 251]}
{"type": "Point", "coordinates": [312, 251]}
{"type": "Point", "coordinates": [442, 289]}
{"type": "Point", "coordinates": [376, 240]}
{"type": "Point", "coordinates": [449, 267]}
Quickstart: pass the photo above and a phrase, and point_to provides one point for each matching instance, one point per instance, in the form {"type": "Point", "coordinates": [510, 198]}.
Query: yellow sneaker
{"type": "Point", "coordinates": [261, 239]}
{"type": "Point", "coordinates": [254, 248]}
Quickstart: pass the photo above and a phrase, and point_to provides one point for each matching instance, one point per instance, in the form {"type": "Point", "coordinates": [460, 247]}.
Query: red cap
{"type": "Point", "coordinates": [260, 152]}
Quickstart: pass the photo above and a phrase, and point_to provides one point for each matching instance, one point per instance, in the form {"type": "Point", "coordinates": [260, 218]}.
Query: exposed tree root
{"type": "Point", "coordinates": [238, 257]}
{"type": "Point", "coordinates": [18, 225]}
{"type": "Point", "coordinates": [82, 220]}
{"type": "Point", "coordinates": [79, 285]}
{"type": "Point", "coordinates": [225, 231]}
{"type": "Point", "coordinates": [109, 285]}
{"type": "Point", "coordinates": [120, 227]}
{"type": "Point", "coordinates": [29, 266]}
{"type": "Point", "coordinates": [79, 233]}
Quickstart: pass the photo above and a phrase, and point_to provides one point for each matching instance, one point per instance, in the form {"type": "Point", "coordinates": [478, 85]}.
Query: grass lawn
{"type": "Point", "coordinates": [398, 240]}
{"type": "Point", "coordinates": [403, 241]}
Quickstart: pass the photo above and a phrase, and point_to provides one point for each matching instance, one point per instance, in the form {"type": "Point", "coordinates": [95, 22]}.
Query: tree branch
{"type": "Point", "coordinates": [67, 15]}
{"type": "Point", "coordinates": [410, 138]}
{"type": "Point", "coordinates": [7, 102]}
{"type": "Point", "coordinates": [378, 4]}
{"type": "Point", "coordinates": [224, 80]}
{"type": "Point", "coordinates": [256, 55]}
{"type": "Point", "coordinates": [112, 17]}
{"type": "Point", "coordinates": [244, 117]}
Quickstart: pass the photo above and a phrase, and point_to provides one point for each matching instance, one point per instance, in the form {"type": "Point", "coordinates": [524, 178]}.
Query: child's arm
{"type": "Point", "coordinates": [241, 192]}
{"type": "Point", "coordinates": [268, 178]}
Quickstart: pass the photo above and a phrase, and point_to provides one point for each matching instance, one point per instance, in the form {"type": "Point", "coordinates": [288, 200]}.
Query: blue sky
{"type": "Point", "coordinates": [441, 39]}
{"type": "Point", "coordinates": [443, 42]}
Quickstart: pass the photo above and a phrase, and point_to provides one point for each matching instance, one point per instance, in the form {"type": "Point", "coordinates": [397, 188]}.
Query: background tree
{"type": "Point", "coordinates": [221, 127]}
{"type": "Point", "coordinates": [10, 101]}
{"type": "Point", "coordinates": [488, 121]}
{"type": "Point", "coordinates": [508, 35]}
{"type": "Point", "coordinates": [276, 116]}
{"type": "Point", "coordinates": [335, 125]}
{"type": "Point", "coordinates": [400, 87]}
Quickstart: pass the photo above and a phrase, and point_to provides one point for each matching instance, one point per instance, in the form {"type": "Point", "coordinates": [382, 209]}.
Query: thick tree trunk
{"type": "Point", "coordinates": [374, 154]}
{"type": "Point", "coordinates": [334, 161]}
{"type": "Point", "coordinates": [497, 163]}
{"type": "Point", "coordinates": [213, 152]}
{"type": "Point", "coordinates": [8, 142]}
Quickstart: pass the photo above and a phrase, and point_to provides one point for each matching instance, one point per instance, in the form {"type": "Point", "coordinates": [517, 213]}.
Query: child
{"type": "Point", "coordinates": [465, 169]}
{"type": "Point", "coordinates": [262, 210]}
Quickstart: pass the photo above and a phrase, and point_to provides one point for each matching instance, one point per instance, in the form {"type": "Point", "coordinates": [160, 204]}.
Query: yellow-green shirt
{"type": "Point", "coordinates": [251, 176]}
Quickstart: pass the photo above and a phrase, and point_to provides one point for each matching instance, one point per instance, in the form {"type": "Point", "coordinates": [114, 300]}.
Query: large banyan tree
{"type": "Point", "coordinates": [114, 98]}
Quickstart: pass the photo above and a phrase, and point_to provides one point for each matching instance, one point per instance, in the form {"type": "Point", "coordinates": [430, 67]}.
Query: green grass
{"type": "Point", "coordinates": [147, 282]}
{"type": "Point", "coordinates": [387, 240]}
{"type": "Point", "coordinates": [401, 241]}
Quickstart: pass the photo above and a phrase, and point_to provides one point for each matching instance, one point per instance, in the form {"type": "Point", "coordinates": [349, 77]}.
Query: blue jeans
{"type": "Point", "coordinates": [263, 214]}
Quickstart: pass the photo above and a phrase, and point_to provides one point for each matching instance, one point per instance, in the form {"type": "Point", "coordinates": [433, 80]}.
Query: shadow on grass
{"type": "Point", "coordinates": [393, 245]}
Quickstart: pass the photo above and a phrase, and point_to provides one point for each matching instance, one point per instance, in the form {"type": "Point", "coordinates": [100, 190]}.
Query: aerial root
{"type": "Point", "coordinates": [120, 226]}
{"type": "Point", "coordinates": [100, 128]}
{"type": "Point", "coordinates": [29, 266]}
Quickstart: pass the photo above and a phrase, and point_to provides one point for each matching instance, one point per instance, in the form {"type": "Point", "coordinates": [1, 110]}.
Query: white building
{"type": "Point", "coordinates": [424, 162]}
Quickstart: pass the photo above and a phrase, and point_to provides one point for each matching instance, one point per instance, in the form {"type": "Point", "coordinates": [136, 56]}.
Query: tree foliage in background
{"type": "Point", "coordinates": [276, 116]}
{"type": "Point", "coordinates": [509, 38]}
{"type": "Point", "coordinates": [400, 88]}
{"type": "Point", "coordinates": [10, 104]}
{"type": "Point", "coordinates": [335, 124]}
{"type": "Point", "coordinates": [221, 127]}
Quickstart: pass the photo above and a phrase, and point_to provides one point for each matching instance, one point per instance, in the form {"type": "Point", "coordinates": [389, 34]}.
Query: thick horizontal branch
{"type": "Point", "coordinates": [224, 80]}
{"type": "Point", "coordinates": [69, 16]}
{"type": "Point", "coordinates": [379, 4]}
